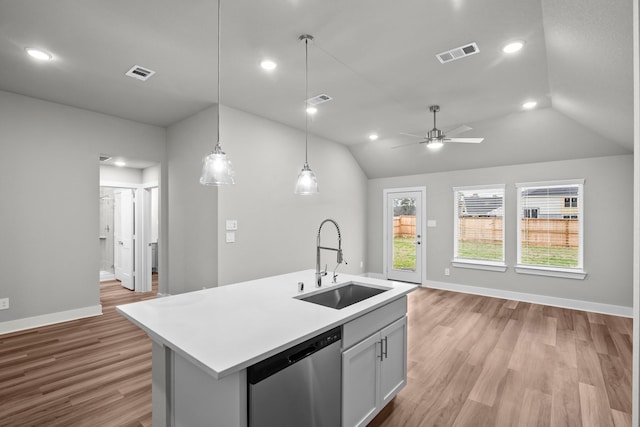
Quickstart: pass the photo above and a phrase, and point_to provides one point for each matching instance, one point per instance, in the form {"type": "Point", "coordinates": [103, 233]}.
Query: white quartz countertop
{"type": "Point", "coordinates": [226, 329]}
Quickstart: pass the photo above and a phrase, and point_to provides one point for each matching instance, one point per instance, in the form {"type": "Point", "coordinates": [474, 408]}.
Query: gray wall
{"type": "Point", "coordinates": [276, 228]}
{"type": "Point", "coordinates": [49, 184]}
{"type": "Point", "coordinates": [192, 208]}
{"type": "Point", "coordinates": [608, 225]}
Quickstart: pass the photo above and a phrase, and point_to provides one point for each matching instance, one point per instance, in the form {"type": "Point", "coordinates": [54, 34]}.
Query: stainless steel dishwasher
{"type": "Point", "coordinates": [300, 386]}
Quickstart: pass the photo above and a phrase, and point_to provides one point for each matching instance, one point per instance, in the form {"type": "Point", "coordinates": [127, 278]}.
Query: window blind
{"type": "Point", "coordinates": [479, 223]}
{"type": "Point", "coordinates": [550, 225]}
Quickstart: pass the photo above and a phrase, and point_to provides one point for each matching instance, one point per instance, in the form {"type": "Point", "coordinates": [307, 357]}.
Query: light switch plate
{"type": "Point", "coordinates": [232, 224]}
{"type": "Point", "coordinates": [231, 237]}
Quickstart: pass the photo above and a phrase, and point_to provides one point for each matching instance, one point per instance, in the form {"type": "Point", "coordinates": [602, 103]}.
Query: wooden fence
{"type": "Point", "coordinates": [404, 226]}
{"type": "Point", "coordinates": [557, 233]}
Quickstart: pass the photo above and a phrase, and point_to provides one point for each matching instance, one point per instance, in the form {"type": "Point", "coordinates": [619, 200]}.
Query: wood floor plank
{"type": "Point", "coordinates": [593, 407]}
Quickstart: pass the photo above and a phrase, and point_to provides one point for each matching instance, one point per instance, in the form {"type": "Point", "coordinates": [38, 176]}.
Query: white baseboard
{"type": "Point", "coordinates": [49, 319]}
{"type": "Point", "coordinates": [594, 307]}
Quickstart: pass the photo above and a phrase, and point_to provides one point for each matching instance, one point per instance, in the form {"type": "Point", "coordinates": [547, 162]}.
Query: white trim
{"type": "Point", "coordinates": [594, 307]}
{"type": "Point", "coordinates": [519, 209]}
{"type": "Point", "coordinates": [478, 187]}
{"type": "Point", "coordinates": [423, 226]}
{"type": "Point", "coordinates": [456, 224]}
{"type": "Point", "coordinates": [552, 183]}
{"type": "Point", "coordinates": [479, 265]}
{"type": "Point", "coordinates": [553, 272]}
{"type": "Point", "coordinates": [49, 319]}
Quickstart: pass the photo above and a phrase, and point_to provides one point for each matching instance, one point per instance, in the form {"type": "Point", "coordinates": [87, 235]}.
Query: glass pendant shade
{"type": "Point", "coordinates": [307, 182]}
{"type": "Point", "coordinates": [217, 169]}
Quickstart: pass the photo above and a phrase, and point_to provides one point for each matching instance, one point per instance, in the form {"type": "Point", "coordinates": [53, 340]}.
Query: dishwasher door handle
{"type": "Point", "coordinates": [302, 353]}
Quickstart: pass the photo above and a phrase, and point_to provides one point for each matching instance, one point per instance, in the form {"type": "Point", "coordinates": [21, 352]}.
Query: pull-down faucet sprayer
{"type": "Point", "coordinates": [340, 259]}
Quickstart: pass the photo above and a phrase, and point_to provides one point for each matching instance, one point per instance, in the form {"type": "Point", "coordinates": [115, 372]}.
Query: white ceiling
{"type": "Point", "coordinates": [375, 58]}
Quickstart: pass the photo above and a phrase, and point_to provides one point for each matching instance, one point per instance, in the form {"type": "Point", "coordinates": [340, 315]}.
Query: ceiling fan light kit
{"type": "Point", "coordinates": [435, 138]}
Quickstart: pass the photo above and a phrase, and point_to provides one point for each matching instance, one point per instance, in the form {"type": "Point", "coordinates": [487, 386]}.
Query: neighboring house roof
{"type": "Point", "coordinates": [481, 206]}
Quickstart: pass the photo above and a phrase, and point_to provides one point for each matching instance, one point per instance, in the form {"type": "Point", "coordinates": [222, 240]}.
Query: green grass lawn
{"type": "Point", "coordinates": [404, 253]}
{"type": "Point", "coordinates": [533, 255]}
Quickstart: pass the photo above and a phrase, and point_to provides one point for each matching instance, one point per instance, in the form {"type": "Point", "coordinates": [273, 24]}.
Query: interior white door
{"type": "Point", "coordinates": [123, 231]}
{"type": "Point", "coordinates": [404, 256]}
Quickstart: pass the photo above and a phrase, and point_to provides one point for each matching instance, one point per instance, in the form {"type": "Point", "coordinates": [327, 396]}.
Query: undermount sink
{"type": "Point", "coordinates": [343, 295]}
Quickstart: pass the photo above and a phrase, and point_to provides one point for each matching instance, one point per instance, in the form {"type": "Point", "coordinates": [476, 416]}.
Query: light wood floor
{"type": "Point", "coordinates": [477, 361]}
{"type": "Point", "coordinates": [473, 361]}
{"type": "Point", "coordinates": [89, 372]}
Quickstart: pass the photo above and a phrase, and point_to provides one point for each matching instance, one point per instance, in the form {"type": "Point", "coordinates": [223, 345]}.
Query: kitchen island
{"type": "Point", "coordinates": [204, 341]}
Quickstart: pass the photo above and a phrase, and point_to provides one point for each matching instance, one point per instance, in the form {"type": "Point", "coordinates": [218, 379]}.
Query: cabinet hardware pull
{"type": "Point", "coordinates": [386, 347]}
{"type": "Point", "coordinates": [381, 352]}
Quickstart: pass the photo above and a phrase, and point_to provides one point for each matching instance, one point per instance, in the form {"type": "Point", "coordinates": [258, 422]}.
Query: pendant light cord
{"type": "Point", "coordinates": [306, 97]}
{"type": "Point", "coordinates": [218, 101]}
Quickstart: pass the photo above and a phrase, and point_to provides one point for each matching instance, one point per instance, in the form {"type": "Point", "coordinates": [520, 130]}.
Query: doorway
{"type": "Point", "coordinates": [404, 242]}
{"type": "Point", "coordinates": [129, 222]}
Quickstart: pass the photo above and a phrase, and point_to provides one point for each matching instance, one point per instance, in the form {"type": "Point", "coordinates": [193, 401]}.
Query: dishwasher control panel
{"type": "Point", "coordinates": [288, 357]}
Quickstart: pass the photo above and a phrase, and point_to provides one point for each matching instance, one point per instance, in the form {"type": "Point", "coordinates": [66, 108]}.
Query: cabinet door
{"type": "Point", "coordinates": [393, 367]}
{"type": "Point", "coordinates": [360, 382]}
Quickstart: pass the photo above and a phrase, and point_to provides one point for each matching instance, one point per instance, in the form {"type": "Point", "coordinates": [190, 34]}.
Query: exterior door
{"type": "Point", "coordinates": [403, 235]}
{"type": "Point", "coordinates": [123, 229]}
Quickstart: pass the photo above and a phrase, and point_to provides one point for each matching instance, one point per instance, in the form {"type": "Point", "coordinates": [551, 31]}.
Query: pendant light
{"type": "Point", "coordinates": [307, 182]}
{"type": "Point", "coordinates": [217, 168]}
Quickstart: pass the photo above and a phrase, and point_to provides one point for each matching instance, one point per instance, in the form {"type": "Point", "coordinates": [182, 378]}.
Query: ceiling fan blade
{"type": "Point", "coordinates": [460, 129]}
{"type": "Point", "coordinates": [407, 145]}
{"type": "Point", "coordinates": [412, 135]}
{"type": "Point", "coordinates": [465, 140]}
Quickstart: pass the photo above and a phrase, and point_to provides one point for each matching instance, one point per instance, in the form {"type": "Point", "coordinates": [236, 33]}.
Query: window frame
{"type": "Point", "coordinates": [479, 264]}
{"type": "Point", "coordinates": [563, 272]}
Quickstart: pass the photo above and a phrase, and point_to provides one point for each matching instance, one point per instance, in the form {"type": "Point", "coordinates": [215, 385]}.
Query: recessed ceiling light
{"type": "Point", "coordinates": [529, 105]}
{"type": "Point", "coordinates": [373, 136]}
{"type": "Point", "coordinates": [119, 163]}
{"type": "Point", "coordinates": [39, 54]}
{"type": "Point", "coordinates": [513, 47]}
{"type": "Point", "coordinates": [312, 110]}
{"type": "Point", "coordinates": [268, 65]}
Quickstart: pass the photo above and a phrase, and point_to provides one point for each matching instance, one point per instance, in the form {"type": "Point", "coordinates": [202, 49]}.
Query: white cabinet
{"type": "Point", "coordinates": [373, 372]}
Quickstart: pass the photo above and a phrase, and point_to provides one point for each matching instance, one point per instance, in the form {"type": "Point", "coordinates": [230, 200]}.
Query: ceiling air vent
{"type": "Point", "coordinates": [318, 99]}
{"type": "Point", "coordinates": [458, 52]}
{"type": "Point", "coordinates": [140, 73]}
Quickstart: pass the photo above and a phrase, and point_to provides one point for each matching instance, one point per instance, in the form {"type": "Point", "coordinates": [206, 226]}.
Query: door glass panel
{"type": "Point", "coordinates": [404, 233]}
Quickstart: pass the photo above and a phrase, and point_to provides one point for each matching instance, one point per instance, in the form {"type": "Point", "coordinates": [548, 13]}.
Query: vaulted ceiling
{"type": "Point", "coordinates": [376, 59]}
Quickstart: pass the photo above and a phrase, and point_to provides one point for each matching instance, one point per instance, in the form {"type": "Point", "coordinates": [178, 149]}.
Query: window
{"type": "Point", "coordinates": [550, 228]}
{"type": "Point", "coordinates": [479, 227]}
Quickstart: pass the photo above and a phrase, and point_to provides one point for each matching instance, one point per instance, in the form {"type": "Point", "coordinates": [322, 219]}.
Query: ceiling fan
{"type": "Point", "coordinates": [436, 138]}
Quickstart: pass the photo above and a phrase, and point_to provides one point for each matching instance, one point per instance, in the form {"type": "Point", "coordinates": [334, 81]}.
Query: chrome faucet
{"type": "Point", "coordinates": [340, 259]}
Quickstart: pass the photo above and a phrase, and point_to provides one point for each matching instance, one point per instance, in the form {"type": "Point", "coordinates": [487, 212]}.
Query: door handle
{"type": "Point", "coordinates": [381, 352]}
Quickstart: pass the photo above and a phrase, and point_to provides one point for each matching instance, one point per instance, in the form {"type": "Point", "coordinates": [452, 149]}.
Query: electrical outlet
{"type": "Point", "coordinates": [447, 272]}
{"type": "Point", "coordinates": [4, 304]}
{"type": "Point", "coordinates": [361, 264]}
